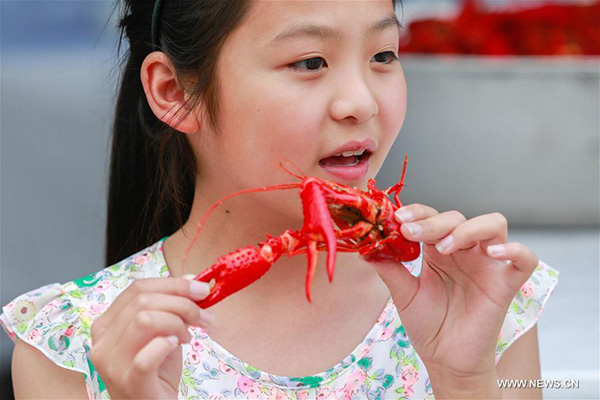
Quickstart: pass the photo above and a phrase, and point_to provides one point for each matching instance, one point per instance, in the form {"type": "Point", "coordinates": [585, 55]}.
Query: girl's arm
{"type": "Point", "coordinates": [521, 361]}
{"type": "Point", "coordinates": [36, 377]}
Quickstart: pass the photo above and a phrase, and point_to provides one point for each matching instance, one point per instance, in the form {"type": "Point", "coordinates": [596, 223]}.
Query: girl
{"type": "Point", "coordinates": [214, 94]}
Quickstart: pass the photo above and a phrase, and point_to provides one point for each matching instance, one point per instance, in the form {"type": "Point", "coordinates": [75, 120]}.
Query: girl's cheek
{"type": "Point", "coordinates": [393, 114]}
{"type": "Point", "coordinates": [299, 151]}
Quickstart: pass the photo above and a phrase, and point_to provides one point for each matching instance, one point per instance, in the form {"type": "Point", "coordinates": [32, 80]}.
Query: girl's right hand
{"type": "Point", "coordinates": [136, 342]}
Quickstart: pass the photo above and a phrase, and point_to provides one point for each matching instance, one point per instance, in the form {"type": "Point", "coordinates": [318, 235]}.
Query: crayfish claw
{"type": "Point", "coordinates": [318, 226]}
{"type": "Point", "coordinates": [312, 266]}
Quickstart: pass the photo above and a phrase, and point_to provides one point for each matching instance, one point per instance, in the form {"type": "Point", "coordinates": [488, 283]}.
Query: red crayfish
{"type": "Point", "coordinates": [364, 220]}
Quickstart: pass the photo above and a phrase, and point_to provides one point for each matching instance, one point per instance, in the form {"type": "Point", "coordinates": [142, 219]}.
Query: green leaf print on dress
{"type": "Point", "coordinates": [365, 363]}
{"type": "Point", "coordinates": [312, 381]}
{"type": "Point", "coordinates": [69, 362]}
{"type": "Point", "coordinates": [93, 372]}
{"type": "Point", "coordinates": [516, 309]}
{"type": "Point", "coordinates": [403, 339]}
{"type": "Point", "coordinates": [187, 377]}
{"type": "Point", "coordinates": [86, 281]}
{"type": "Point", "coordinates": [501, 344]}
{"type": "Point", "coordinates": [59, 344]}
{"type": "Point", "coordinates": [388, 380]}
{"type": "Point", "coordinates": [163, 270]}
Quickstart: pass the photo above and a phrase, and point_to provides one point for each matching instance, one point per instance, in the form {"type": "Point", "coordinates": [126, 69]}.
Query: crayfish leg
{"type": "Point", "coordinates": [397, 188]}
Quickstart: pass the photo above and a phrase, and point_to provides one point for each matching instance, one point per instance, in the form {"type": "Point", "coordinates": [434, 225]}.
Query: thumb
{"type": "Point", "coordinates": [402, 284]}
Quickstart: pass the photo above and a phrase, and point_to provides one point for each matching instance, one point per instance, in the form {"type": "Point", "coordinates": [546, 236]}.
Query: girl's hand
{"type": "Point", "coordinates": [136, 341]}
{"type": "Point", "coordinates": [454, 310]}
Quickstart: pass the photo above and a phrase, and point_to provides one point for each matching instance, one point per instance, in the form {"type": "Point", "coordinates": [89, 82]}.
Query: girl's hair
{"type": "Point", "coordinates": [152, 166]}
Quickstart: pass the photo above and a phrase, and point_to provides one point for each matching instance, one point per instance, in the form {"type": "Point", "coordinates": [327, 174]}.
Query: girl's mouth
{"type": "Point", "coordinates": [348, 166]}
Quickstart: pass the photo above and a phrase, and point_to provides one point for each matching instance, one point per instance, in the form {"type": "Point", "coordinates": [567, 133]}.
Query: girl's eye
{"type": "Point", "coordinates": [392, 56]}
{"type": "Point", "coordinates": [309, 63]}
{"type": "Point", "coordinates": [312, 64]}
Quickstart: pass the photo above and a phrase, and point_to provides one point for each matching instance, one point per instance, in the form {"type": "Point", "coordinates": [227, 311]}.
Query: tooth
{"type": "Point", "coordinates": [359, 152]}
{"type": "Point", "coordinates": [347, 153]}
{"type": "Point", "coordinates": [337, 155]}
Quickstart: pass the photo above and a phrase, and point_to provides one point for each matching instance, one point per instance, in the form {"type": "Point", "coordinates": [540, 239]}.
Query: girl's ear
{"type": "Point", "coordinates": [164, 94]}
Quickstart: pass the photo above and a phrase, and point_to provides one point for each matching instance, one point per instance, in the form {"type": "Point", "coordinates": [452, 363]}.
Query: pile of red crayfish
{"type": "Point", "coordinates": [550, 29]}
{"type": "Point", "coordinates": [336, 218]}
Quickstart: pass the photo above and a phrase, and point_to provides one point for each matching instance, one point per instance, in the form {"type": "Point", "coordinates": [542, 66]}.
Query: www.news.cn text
{"type": "Point", "coordinates": [538, 383]}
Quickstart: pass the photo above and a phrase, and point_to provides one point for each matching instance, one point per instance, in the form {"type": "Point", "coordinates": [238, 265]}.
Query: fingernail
{"type": "Point", "coordinates": [174, 340]}
{"type": "Point", "coordinates": [199, 290]}
{"type": "Point", "coordinates": [205, 317]}
{"type": "Point", "coordinates": [445, 244]}
{"type": "Point", "coordinates": [496, 250]}
{"type": "Point", "coordinates": [404, 215]}
{"type": "Point", "coordinates": [189, 277]}
{"type": "Point", "coordinates": [414, 229]}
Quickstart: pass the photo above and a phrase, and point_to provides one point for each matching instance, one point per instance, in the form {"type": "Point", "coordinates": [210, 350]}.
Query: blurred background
{"type": "Point", "coordinates": [503, 115]}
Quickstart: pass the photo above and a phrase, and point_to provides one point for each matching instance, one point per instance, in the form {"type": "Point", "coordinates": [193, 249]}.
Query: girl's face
{"type": "Point", "coordinates": [299, 80]}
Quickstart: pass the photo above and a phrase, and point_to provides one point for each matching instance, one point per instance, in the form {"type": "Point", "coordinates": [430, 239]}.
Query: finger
{"type": "Point", "coordinates": [487, 229]}
{"type": "Point", "coordinates": [414, 212]}
{"type": "Point", "coordinates": [147, 361]}
{"type": "Point", "coordinates": [431, 229]}
{"type": "Point", "coordinates": [146, 326]}
{"type": "Point", "coordinates": [402, 284]}
{"type": "Point", "coordinates": [183, 307]}
{"type": "Point", "coordinates": [174, 286]}
{"type": "Point", "coordinates": [523, 261]}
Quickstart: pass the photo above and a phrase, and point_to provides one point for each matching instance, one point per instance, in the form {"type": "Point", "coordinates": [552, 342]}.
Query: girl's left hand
{"type": "Point", "coordinates": [454, 310]}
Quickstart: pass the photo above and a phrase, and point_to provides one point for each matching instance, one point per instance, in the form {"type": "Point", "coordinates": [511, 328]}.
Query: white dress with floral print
{"type": "Point", "coordinates": [56, 319]}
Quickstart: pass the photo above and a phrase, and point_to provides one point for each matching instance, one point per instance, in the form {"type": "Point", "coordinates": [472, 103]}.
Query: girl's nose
{"type": "Point", "coordinates": [354, 99]}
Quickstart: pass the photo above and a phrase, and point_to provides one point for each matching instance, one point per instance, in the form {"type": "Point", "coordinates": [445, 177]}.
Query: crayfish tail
{"type": "Point", "coordinates": [213, 298]}
{"type": "Point", "coordinates": [234, 272]}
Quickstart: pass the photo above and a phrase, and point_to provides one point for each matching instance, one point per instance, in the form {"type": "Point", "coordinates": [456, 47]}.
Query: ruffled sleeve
{"type": "Point", "coordinates": [527, 306]}
{"type": "Point", "coordinates": [57, 318]}
{"type": "Point", "coordinates": [53, 320]}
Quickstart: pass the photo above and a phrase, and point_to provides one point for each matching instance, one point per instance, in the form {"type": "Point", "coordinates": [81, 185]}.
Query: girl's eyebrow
{"type": "Point", "coordinates": [325, 32]}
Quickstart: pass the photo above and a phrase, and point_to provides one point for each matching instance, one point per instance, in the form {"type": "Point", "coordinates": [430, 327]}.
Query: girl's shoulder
{"type": "Point", "coordinates": [57, 318]}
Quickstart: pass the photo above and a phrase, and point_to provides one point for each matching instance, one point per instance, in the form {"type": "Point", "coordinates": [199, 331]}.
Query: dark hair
{"type": "Point", "coordinates": [152, 167]}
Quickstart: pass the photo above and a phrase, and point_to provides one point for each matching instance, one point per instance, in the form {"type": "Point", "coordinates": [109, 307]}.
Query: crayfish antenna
{"type": "Point", "coordinates": [301, 175]}
{"type": "Point", "coordinates": [287, 171]}
{"type": "Point", "coordinates": [218, 203]}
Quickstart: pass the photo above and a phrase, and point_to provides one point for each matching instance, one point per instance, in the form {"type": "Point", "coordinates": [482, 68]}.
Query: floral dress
{"type": "Point", "coordinates": [56, 319]}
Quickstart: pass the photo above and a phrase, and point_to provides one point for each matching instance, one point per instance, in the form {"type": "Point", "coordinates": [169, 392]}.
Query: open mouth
{"type": "Point", "coordinates": [350, 166]}
{"type": "Point", "coordinates": [346, 159]}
